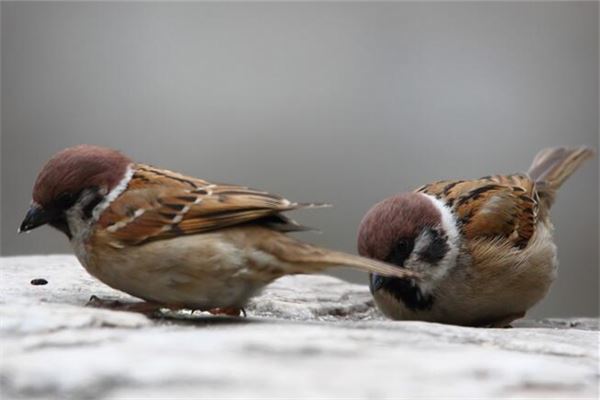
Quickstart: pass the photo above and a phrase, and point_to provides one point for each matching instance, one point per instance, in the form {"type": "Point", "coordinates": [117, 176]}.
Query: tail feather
{"type": "Point", "coordinates": [340, 259]}
{"type": "Point", "coordinates": [298, 206]}
{"type": "Point", "coordinates": [283, 223]}
{"type": "Point", "coordinates": [553, 166]}
{"type": "Point", "coordinates": [304, 258]}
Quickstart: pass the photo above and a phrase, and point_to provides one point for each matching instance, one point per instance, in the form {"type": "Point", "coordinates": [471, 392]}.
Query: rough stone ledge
{"type": "Point", "coordinates": [306, 336]}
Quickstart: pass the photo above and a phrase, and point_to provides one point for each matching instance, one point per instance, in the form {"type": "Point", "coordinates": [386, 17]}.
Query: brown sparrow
{"type": "Point", "coordinates": [174, 240]}
{"type": "Point", "coordinates": [483, 247]}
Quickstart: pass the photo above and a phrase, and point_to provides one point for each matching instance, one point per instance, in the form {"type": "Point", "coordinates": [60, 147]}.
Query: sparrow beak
{"type": "Point", "coordinates": [376, 282]}
{"type": "Point", "coordinates": [36, 216]}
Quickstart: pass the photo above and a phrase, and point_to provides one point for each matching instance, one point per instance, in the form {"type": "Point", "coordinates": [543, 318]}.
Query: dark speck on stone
{"type": "Point", "coordinates": [39, 282]}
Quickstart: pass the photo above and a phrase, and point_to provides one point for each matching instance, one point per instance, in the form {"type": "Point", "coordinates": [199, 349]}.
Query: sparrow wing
{"type": "Point", "coordinates": [503, 206]}
{"type": "Point", "coordinates": [160, 204]}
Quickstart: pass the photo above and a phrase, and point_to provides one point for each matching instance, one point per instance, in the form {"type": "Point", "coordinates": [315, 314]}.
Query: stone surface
{"type": "Point", "coordinates": [306, 336]}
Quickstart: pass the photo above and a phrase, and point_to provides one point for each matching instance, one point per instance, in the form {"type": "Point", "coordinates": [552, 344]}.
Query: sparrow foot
{"type": "Point", "coordinates": [147, 308]}
{"type": "Point", "coordinates": [228, 311]}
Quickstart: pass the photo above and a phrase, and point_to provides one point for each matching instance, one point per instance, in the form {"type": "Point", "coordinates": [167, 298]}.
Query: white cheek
{"type": "Point", "coordinates": [77, 225]}
{"type": "Point", "coordinates": [435, 273]}
{"type": "Point", "coordinates": [80, 231]}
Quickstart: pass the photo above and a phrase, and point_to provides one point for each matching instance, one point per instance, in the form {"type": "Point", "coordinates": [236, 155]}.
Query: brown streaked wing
{"type": "Point", "coordinates": [147, 175]}
{"type": "Point", "coordinates": [493, 206]}
{"type": "Point", "coordinates": [160, 204]}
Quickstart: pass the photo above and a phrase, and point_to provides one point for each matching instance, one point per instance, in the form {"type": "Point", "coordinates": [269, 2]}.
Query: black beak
{"type": "Point", "coordinates": [376, 282]}
{"type": "Point", "coordinates": [36, 216]}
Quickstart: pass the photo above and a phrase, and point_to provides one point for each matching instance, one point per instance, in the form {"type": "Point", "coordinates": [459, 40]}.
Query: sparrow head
{"type": "Point", "coordinates": [75, 178]}
{"type": "Point", "coordinates": [414, 231]}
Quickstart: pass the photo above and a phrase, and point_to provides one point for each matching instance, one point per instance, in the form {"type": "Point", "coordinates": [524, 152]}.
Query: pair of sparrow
{"type": "Point", "coordinates": [469, 252]}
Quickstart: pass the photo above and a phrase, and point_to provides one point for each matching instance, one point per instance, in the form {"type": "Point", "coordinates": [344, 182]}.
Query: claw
{"type": "Point", "coordinates": [228, 311]}
{"type": "Point", "coordinates": [146, 308]}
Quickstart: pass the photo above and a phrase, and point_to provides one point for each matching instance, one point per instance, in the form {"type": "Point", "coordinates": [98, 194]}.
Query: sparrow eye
{"type": "Point", "coordinates": [65, 201]}
{"type": "Point", "coordinates": [402, 246]}
{"type": "Point", "coordinates": [401, 251]}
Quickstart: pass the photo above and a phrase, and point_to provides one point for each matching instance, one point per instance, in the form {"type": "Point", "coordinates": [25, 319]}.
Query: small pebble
{"type": "Point", "coordinates": [39, 282]}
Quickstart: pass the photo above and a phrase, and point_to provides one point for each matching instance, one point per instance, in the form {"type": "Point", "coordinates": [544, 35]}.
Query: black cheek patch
{"type": "Point", "coordinates": [437, 249]}
{"type": "Point", "coordinates": [87, 211]}
{"type": "Point", "coordinates": [408, 293]}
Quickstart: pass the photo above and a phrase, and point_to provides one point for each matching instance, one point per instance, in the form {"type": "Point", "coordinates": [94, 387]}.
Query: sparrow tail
{"type": "Point", "coordinates": [298, 206]}
{"type": "Point", "coordinates": [304, 258]}
{"type": "Point", "coordinates": [339, 259]}
{"type": "Point", "coordinates": [553, 166]}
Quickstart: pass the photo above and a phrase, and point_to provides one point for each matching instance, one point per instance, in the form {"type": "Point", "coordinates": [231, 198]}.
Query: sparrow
{"type": "Point", "coordinates": [173, 240]}
{"type": "Point", "coordinates": [483, 248]}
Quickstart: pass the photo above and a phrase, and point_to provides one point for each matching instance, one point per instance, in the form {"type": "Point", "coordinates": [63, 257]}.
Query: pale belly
{"type": "Point", "coordinates": [489, 289]}
{"type": "Point", "coordinates": [200, 271]}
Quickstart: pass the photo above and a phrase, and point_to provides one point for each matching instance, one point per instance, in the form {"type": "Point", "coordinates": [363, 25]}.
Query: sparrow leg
{"type": "Point", "coordinates": [146, 308]}
{"type": "Point", "coordinates": [228, 311]}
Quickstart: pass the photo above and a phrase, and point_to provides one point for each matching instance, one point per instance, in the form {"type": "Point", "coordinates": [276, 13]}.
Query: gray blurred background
{"type": "Point", "coordinates": [341, 103]}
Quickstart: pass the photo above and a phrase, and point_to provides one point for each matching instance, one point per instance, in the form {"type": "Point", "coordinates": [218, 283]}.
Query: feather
{"type": "Point", "coordinates": [553, 166]}
{"type": "Point", "coordinates": [493, 206]}
{"type": "Point", "coordinates": [160, 204]}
